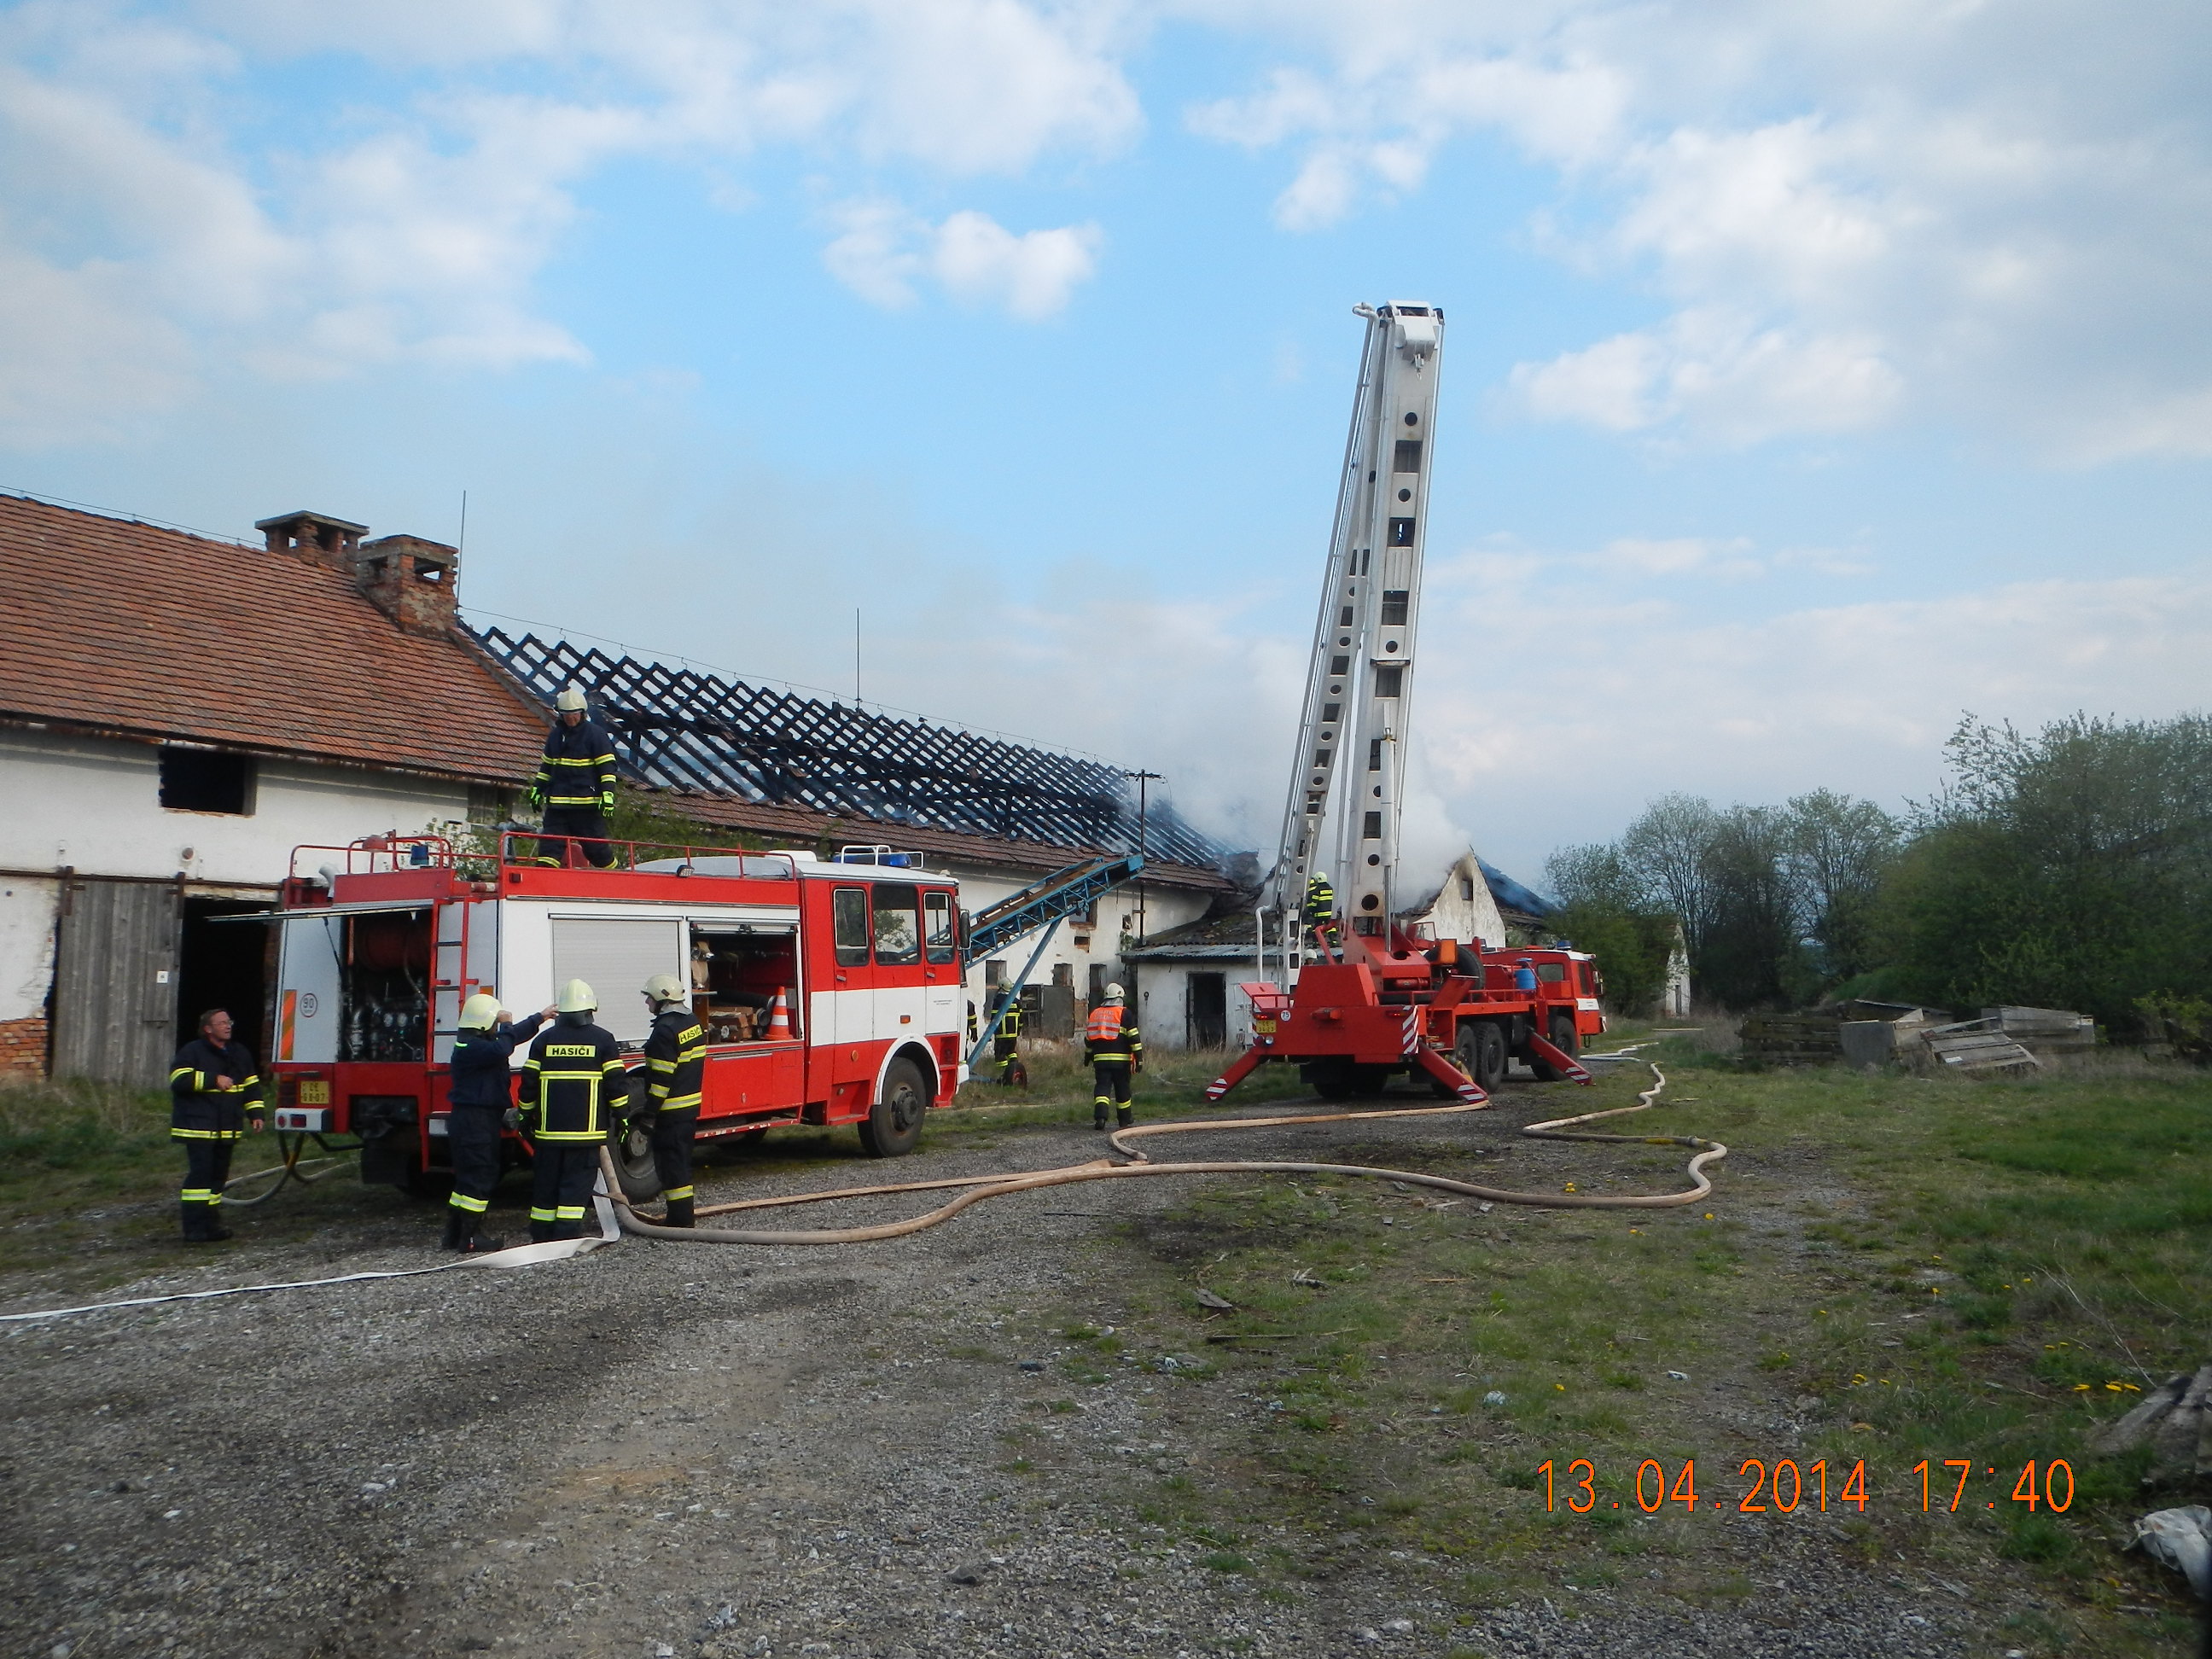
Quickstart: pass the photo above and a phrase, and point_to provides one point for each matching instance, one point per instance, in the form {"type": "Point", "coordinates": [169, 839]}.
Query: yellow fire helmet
{"type": "Point", "coordinates": [576, 998]}
{"type": "Point", "coordinates": [664, 987]}
{"type": "Point", "coordinates": [481, 1012]}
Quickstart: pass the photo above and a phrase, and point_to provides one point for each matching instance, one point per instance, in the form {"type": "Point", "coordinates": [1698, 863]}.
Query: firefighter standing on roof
{"type": "Point", "coordinates": [576, 782]}
{"type": "Point", "coordinates": [483, 1090]}
{"type": "Point", "coordinates": [664, 1092]}
{"type": "Point", "coordinates": [215, 1088]}
{"type": "Point", "coordinates": [1110, 1043]}
{"type": "Point", "coordinates": [570, 1085]}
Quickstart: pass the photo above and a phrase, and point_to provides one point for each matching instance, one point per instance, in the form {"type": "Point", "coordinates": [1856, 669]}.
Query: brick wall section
{"type": "Point", "coordinates": [23, 1048]}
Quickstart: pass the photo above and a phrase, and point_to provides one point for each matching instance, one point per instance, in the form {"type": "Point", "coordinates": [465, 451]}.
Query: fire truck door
{"type": "Point", "coordinates": [852, 998]}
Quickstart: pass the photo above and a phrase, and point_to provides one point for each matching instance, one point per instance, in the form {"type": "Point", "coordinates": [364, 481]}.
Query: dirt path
{"type": "Point", "coordinates": [682, 1450]}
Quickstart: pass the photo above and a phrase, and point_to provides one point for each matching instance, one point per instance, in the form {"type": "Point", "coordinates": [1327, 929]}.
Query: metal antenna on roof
{"type": "Point", "coordinates": [856, 653]}
{"type": "Point", "coordinates": [462, 545]}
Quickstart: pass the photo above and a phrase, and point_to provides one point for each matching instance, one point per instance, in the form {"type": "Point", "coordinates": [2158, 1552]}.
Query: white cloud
{"type": "Point", "coordinates": [1648, 698]}
{"type": "Point", "coordinates": [1994, 214]}
{"type": "Point", "coordinates": [160, 231]}
{"type": "Point", "coordinates": [883, 251]}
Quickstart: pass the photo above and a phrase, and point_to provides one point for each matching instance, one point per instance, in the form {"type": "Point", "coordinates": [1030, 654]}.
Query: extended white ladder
{"type": "Point", "coordinates": [1341, 818]}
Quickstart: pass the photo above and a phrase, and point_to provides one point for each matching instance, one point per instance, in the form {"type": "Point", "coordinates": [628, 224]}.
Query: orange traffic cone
{"type": "Point", "coordinates": [779, 1016]}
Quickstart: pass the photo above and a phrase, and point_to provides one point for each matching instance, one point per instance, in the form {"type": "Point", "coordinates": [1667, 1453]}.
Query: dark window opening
{"type": "Point", "coordinates": [1206, 1010]}
{"type": "Point", "coordinates": [1320, 756]}
{"type": "Point", "coordinates": [898, 927]}
{"type": "Point", "coordinates": [1394, 603]}
{"type": "Point", "coordinates": [1344, 621]}
{"type": "Point", "coordinates": [1340, 665]}
{"type": "Point", "coordinates": [1466, 889]}
{"type": "Point", "coordinates": [1406, 456]}
{"type": "Point", "coordinates": [1550, 973]}
{"type": "Point", "coordinates": [224, 966]}
{"type": "Point", "coordinates": [1374, 754]}
{"type": "Point", "coordinates": [937, 929]}
{"type": "Point", "coordinates": [1370, 827]}
{"type": "Point", "coordinates": [1402, 532]}
{"type": "Point", "coordinates": [203, 780]}
{"type": "Point", "coordinates": [1389, 678]}
{"type": "Point", "coordinates": [1330, 713]}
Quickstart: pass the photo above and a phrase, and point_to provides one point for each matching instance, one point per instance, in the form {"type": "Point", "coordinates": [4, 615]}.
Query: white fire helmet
{"type": "Point", "coordinates": [570, 699]}
{"type": "Point", "coordinates": [481, 1012]}
{"type": "Point", "coordinates": [576, 998]}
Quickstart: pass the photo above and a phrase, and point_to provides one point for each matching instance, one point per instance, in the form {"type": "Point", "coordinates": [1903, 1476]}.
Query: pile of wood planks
{"type": "Point", "coordinates": [2045, 1032]}
{"type": "Point", "coordinates": [1977, 1045]}
{"type": "Point", "coordinates": [1802, 1039]}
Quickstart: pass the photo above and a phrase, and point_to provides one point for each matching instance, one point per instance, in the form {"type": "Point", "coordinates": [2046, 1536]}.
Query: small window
{"type": "Point", "coordinates": [1585, 978]}
{"type": "Point", "coordinates": [1371, 828]}
{"type": "Point", "coordinates": [1466, 889]}
{"type": "Point", "coordinates": [1550, 972]}
{"type": "Point", "coordinates": [849, 911]}
{"type": "Point", "coordinates": [1396, 602]}
{"type": "Point", "coordinates": [937, 927]}
{"type": "Point", "coordinates": [898, 926]}
{"type": "Point", "coordinates": [1405, 455]}
{"type": "Point", "coordinates": [1402, 532]}
{"type": "Point", "coordinates": [202, 780]}
{"type": "Point", "coordinates": [1389, 678]}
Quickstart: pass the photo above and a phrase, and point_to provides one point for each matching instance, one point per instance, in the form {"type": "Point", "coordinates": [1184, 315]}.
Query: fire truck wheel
{"type": "Point", "coordinates": [1481, 1053]}
{"type": "Point", "coordinates": [1340, 1079]}
{"type": "Point", "coordinates": [1563, 1038]}
{"type": "Point", "coordinates": [892, 1129]}
{"type": "Point", "coordinates": [641, 1179]}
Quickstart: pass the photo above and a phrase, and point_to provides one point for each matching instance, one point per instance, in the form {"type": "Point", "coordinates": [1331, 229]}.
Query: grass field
{"type": "Point", "coordinates": [1895, 1270]}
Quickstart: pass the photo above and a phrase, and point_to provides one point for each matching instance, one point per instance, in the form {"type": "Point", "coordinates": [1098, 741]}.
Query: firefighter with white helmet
{"type": "Point", "coordinates": [483, 1091]}
{"type": "Point", "coordinates": [1112, 1046]}
{"type": "Point", "coordinates": [572, 1086]}
{"type": "Point", "coordinates": [664, 1092]}
{"type": "Point", "coordinates": [575, 783]}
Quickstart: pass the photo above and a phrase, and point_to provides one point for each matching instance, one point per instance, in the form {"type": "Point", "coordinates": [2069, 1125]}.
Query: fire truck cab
{"type": "Point", "coordinates": [830, 989]}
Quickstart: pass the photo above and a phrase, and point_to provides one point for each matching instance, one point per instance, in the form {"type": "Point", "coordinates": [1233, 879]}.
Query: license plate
{"type": "Point", "coordinates": [1263, 1027]}
{"type": "Point", "coordinates": [314, 1092]}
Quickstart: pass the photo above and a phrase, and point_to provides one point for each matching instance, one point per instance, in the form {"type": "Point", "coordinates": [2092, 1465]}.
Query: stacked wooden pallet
{"type": "Point", "coordinates": [2046, 1031]}
{"type": "Point", "coordinates": [1977, 1045]}
{"type": "Point", "coordinates": [1804, 1039]}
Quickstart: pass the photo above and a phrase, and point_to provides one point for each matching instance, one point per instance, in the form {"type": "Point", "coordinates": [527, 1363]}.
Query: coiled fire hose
{"type": "Point", "coordinates": [979, 1188]}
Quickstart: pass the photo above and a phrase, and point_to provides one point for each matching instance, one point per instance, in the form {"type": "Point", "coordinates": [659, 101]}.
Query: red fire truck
{"type": "Point", "coordinates": [1370, 998]}
{"type": "Point", "coordinates": [831, 988]}
{"type": "Point", "coordinates": [1354, 1021]}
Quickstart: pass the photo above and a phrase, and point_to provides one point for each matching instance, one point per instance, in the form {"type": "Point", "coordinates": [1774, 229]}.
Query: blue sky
{"type": "Point", "coordinates": [1815, 373]}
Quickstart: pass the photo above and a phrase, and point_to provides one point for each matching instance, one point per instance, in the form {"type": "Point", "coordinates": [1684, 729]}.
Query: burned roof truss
{"type": "Point", "coordinates": [679, 729]}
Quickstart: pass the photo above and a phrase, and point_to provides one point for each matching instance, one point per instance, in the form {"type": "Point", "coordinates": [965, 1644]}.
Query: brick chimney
{"type": "Point", "coordinates": [314, 535]}
{"type": "Point", "coordinates": [410, 580]}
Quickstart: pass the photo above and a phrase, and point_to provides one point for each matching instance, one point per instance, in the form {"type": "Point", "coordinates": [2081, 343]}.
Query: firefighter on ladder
{"type": "Point", "coordinates": [1112, 1046]}
{"type": "Point", "coordinates": [664, 1092]}
{"type": "Point", "coordinates": [1321, 909]}
{"type": "Point", "coordinates": [570, 1084]}
{"type": "Point", "coordinates": [215, 1088]}
{"type": "Point", "coordinates": [483, 1092]}
{"type": "Point", "coordinates": [575, 785]}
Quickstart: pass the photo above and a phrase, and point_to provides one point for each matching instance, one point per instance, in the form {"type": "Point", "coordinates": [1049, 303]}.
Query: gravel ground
{"type": "Point", "coordinates": [664, 1450]}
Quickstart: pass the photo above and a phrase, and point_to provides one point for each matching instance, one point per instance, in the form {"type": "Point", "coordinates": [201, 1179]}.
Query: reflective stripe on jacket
{"type": "Point", "coordinates": [675, 1062]}
{"type": "Point", "coordinates": [572, 1075]}
{"type": "Point", "coordinates": [578, 767]}
{"type": "Point", "coordinates": [200, 1111]}
{"type": "Point", "coordinates": [1110, 1035]}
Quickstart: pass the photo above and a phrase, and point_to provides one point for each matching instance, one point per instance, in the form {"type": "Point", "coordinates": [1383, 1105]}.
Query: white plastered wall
{"type": "Point", "coordinates": [94, 805]}
{"type": "Point", "coordinates": [26, 945]}
{"type": "Point", "coordinates": [1465, 907]}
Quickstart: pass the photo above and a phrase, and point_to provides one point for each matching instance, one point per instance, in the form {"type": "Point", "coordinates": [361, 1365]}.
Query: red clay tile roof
{"type": "Point", "coordinates": [127, 628]}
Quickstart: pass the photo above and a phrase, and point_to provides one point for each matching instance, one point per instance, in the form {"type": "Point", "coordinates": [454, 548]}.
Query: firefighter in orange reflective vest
{"type": "Point", "coordinates": [215, 1088]}
{"type": "Point", "coordinates": [1110, 1043]}
{"type": "Point", "coordinates": [665, 1091]}
{"type": "Point", "coordinates": [571, 1085]}
{"type": "Point", "coordinates": [575, 783]}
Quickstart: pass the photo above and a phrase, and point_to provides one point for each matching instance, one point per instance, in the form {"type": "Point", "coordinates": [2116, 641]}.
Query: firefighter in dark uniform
{"type": "Point", "coordinates": [214, 1090]}
{"type": "Point", "coordinates": [1007, 1044]}
{"type": "Point", "coordinates": [1320, 908]}
{"type": "Point", "coordinates": [483, 1093]}
{"type": "Point", "coordinates": [575, 784]}
{"type": "Point", "coordinates": [1112, 1046]}
{"type": "Point", "coordinates": [571, 1084]}
{"type": "Point", "coordinates": [664, 1092]}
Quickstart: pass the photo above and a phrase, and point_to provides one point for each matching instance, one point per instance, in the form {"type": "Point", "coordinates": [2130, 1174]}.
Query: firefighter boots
{"type": "Point", "coordinates": [1125, 1117]}
{"type": "Point", "coordinates": [457, 1235]}
{"type": "Point", "coordinates": [680, 1213]}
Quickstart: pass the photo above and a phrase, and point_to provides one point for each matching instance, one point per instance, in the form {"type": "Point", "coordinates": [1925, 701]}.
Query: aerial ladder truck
{"type": "Point", "coordinates": [1363, 998]}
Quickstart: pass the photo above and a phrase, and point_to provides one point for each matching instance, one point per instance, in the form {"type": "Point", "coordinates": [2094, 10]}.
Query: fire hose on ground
{"type": "Point", "coordinates": [615, 1209]}
{"type": "Point", "coordinates": [974, 1189]}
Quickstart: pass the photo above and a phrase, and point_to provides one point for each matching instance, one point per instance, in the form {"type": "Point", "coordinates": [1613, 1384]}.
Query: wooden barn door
{"type": "Point", "coordinates": [115, 980]}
